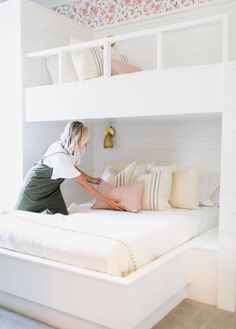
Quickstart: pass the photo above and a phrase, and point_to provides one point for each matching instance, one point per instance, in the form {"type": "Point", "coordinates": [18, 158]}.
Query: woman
{"type": "Point", "coordinates": [41, 188]}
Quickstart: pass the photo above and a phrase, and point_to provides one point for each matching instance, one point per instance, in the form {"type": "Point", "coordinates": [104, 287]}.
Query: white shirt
{"type": "Point", "coordinates": [63, 164]}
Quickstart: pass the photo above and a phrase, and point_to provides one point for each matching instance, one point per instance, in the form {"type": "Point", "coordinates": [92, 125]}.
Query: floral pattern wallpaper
{"type": "Point", "coordinates": [95, 13]}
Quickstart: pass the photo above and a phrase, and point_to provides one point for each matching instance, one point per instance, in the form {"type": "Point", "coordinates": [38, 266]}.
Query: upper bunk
{"type": "Point", "coordinates": [160, 91]}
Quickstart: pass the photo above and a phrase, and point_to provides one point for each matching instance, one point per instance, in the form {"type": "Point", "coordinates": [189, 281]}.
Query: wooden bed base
{"type": "Point", "coordinates": [70, 298]}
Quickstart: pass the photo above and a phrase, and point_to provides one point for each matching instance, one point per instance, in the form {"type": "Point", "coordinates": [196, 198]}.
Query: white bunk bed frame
{"type": "Point", "coordinates": [69, 297]}
{"type": "Point", "coordinates": [193, 89]}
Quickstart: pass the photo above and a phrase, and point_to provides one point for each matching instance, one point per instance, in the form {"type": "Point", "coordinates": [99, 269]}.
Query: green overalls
{"type": "Point", "coordinates": [40, 193]}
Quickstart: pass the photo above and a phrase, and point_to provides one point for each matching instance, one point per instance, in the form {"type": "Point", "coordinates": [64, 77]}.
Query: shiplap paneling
{"type": "Point", "coordinates": [10, 104]}
{"type": "Point", "coordinates": [192, 46]}
{"type": "Point", "coordinates": [186, 142]}
{"type": "Point", "coordinates": [41, 28]}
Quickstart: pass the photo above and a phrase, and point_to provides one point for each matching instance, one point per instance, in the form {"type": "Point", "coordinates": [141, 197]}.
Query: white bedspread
{"type": "Point", "coordinates": [115, 243]}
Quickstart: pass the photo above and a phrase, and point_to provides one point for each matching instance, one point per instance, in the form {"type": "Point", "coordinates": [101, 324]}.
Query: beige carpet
{"type": "Point", "coordinates": [188, 315]}
{"type": "Point", "coordinates": [193, 315]}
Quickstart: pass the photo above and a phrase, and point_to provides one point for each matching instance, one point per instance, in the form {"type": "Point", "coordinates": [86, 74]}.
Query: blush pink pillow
{"type": "Point", "coordinates": [129, 196]}
{"type": "Point", "coordinates": [118, 67]}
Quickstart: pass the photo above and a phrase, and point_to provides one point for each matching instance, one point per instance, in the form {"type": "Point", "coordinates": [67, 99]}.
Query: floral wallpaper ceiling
{"type": "Point", "coordinates": [96, 13]}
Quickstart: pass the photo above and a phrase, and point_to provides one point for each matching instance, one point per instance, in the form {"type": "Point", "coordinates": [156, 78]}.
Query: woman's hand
{"type": "Point", "coordinates": [116, 205]}
{"type": "Point", "coordinates": [83, 182]}
{"type": "Point", "coordinates": [95, 180]}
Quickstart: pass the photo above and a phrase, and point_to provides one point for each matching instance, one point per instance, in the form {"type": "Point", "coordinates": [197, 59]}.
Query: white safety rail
{"type": "Point", "coordinates": [158, 32]}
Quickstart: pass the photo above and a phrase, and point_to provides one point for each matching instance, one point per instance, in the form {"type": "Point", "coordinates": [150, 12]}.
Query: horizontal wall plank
{"type": "Point", "coordinates": [228, 222]}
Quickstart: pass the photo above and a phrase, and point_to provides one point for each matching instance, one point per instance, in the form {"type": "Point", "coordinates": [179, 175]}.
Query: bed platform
{"type": "Point", "coordinates": [192, 90]}
{"type": "Point", "coordinates": [70, 297]}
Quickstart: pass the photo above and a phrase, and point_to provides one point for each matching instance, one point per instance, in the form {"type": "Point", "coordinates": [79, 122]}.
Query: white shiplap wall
{"type": "Point", "coordinates": [227, 230]}
{"type": "Point", "coordinates": [180, 140]}
{"type": "Point", "coordinates": [42, 29]}
{"type": "Point", "coordinates": [187, 47]}
{"type": "Point", "coordinates": [10, 104]}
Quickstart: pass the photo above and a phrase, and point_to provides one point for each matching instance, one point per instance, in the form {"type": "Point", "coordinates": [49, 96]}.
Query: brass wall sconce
{"type": "Point", "coordinates": [109, 133]}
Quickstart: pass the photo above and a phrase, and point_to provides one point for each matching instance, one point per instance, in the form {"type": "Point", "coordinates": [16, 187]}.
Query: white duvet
{"type": "Point", "coordinates": [115, 243]}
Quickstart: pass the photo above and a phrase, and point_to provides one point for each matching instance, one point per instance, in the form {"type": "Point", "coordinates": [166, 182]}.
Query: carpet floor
{"type": "Point", "coordinates": [193, 315]}
{"type": "Point", "coordinates": [187, 315]}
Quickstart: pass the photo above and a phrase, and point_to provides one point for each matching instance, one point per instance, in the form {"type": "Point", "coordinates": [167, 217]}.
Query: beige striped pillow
{"type": "Point", "coordinates": [88, 63]}
{"type": "Point", "coordinates": [118, 175]}
{"type": "Point", "coordinates": [157, 187]}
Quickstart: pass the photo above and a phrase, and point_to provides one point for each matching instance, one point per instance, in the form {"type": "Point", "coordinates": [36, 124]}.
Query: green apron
{"type": "Point", "coordinates": [40, 193]}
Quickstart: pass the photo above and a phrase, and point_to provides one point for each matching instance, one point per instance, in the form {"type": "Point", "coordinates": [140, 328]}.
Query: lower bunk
{"type": "Point", "coordinates": [68, 297]}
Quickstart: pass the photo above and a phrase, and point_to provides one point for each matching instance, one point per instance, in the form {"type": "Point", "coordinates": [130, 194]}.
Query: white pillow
{"type": "Point", "coordinates": [68, 67]}
{"type": "Point", "coordinates": [118, 175]}
{"type": "Point", "coordinates": [215, 197]}
{"type": "Point", "coordinates": [209, 182]}
{"type": "Point", "coordinates": [157, 186]}
{"type": "Point", "coordinates": [185, 192]}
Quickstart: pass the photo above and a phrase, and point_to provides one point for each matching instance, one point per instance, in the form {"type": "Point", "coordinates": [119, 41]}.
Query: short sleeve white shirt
{"type": "Point", "coordinates": [63, 163]}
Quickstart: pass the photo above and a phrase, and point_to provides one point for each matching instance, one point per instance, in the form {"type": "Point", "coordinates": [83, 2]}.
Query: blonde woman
{"type": "Point", "coordinates": [41, 188]}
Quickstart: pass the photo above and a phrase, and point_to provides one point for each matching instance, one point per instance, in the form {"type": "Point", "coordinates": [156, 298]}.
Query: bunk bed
{"type": "Point", "coordinates": [145, 93]}
{"type": "Point", "coordinates": [72, 297]}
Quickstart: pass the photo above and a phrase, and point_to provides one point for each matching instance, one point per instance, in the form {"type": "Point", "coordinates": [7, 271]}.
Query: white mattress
{"type": "Point", "coordinates": [115, 243]}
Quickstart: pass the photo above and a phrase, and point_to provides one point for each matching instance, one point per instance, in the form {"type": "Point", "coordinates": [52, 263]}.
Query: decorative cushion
{"type": "Point", "coordinates": [185, 191]}
{"type": "Point", "coordinates": [157, 186]}
{"type": "Point", "coordinates": [68, 67]}
{"type": "Point", "coordinates": [119, 67]}
{"type": "Point", "coordinates": [118, 175]}
{"type": "Point", "coordinates": [215, 197]}
{"type": "Point", "coordinates": [88, 63]}
{"type": "Point", "coordinates": [209, 182]}
{"type": "Point", "coordinates": [130, 196]}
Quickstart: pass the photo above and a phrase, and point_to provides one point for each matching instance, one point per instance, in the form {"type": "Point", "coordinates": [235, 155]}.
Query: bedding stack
{"type": "Point", "coordinates": [158, 188]}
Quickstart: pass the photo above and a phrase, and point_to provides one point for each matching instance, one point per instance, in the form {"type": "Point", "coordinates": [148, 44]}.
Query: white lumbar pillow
{"type": "Point", "coordinates": [69, 71]}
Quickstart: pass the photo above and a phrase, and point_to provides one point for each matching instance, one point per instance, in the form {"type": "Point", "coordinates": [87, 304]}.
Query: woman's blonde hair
{"type": "Point", "coordinates": [75, 136]}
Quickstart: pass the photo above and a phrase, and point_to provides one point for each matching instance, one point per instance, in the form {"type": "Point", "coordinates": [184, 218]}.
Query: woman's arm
{"type": "Point", "coordinates": [90, 179]}
{"type": "Point", "coordinates": [82, 181]}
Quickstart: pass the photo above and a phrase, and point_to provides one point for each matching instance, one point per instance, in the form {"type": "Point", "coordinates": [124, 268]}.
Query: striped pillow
{"type": "Point", "coordinates": [118, 175]}
{"type": "Point", "coordinates": [88, 63]}
{"type": "Point", "coordinates": [157, 187]}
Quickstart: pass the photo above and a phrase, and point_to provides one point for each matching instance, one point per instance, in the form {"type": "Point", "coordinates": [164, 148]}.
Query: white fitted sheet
{"type": "Point", "coordinates": [115, 243]}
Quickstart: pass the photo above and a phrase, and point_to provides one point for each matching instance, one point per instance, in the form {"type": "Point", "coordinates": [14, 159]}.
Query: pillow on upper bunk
{"type": "Point", "coordinates": [68, 66]}
{"type": "Point", "coordinates": [118, 175]}
{"type": "Point", "coordinates": [130, 196]}
{"type": "Point", "coordinates": [118, 67]}
{"type": "Point", "coordinates": [185, 191]}
{"type": "Point", "coordinates": [157, 186]}
{"type": "Point", "coordinates": [88, 63]}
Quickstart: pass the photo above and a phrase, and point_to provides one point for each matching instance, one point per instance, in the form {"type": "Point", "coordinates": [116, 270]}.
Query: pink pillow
{"type": "Point", "coordinates": [130, 196]}
{"type": "Point", "coordinates": [118, 67]}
